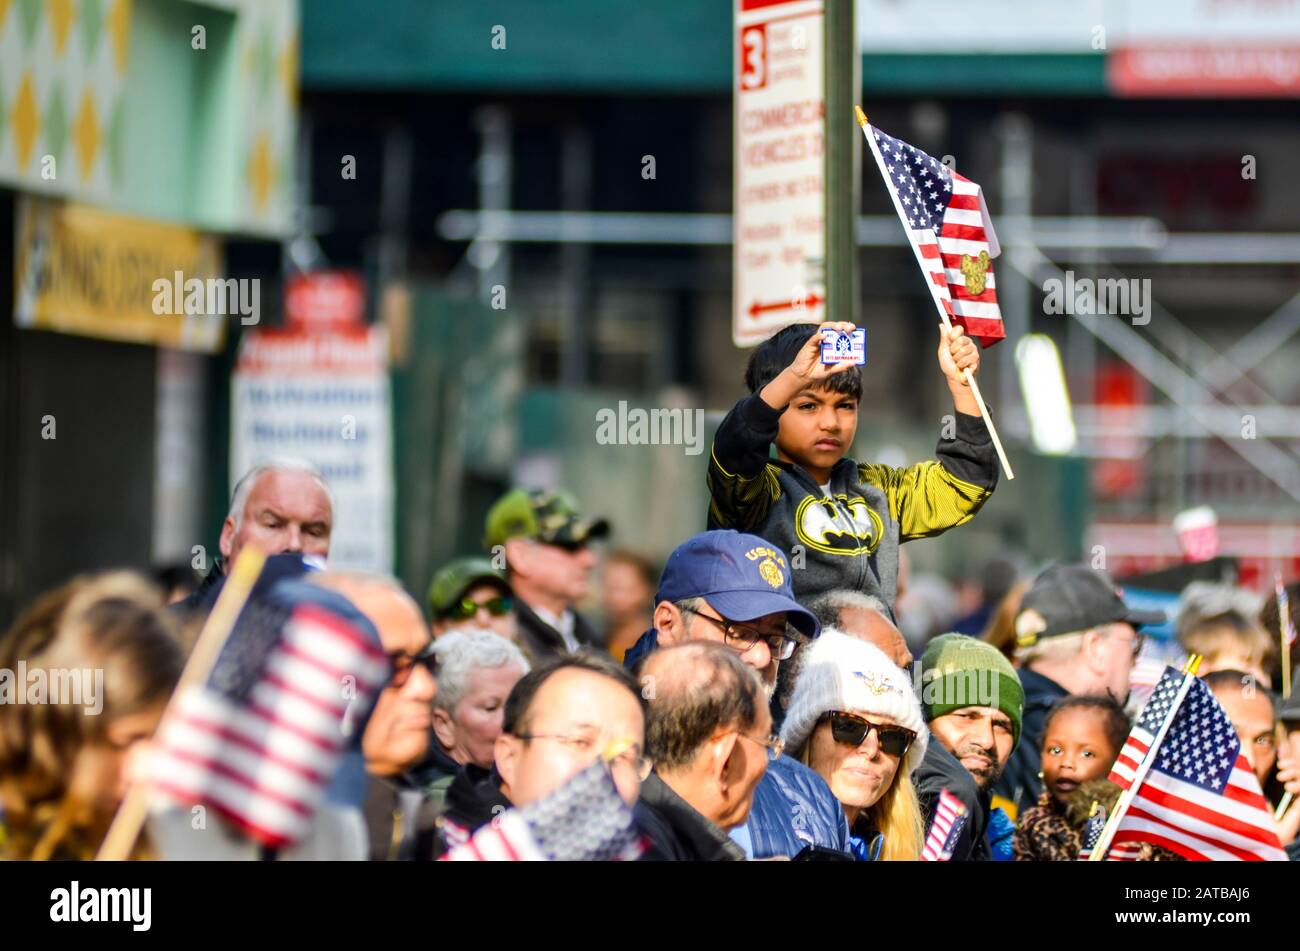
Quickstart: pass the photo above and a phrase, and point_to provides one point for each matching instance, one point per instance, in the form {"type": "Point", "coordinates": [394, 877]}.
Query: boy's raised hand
{"type": "Point", "coordinates": [806, 369]}
{"type": "Point", "coordinates": [957, 354]}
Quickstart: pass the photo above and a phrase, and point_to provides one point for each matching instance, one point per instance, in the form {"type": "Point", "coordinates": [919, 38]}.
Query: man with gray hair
{"type": "Point", "coordinates": [709, 735]}
{"type": "Point", "coordinates": [859, 615]}
{"type": "Point", "coordinates": [281, 505]}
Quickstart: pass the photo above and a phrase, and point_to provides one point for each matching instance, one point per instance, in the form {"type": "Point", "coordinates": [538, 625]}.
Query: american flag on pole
{"type": "Point", "coordinates": [948, 225]}
{"type": "Point", "coordinates": [584, 820]}
{"type": "Point", "coordinates": [259, 742]}
{"type": "Point", "coordinates": [1091, 834]}
{"type": "Point", "coordinates": [1199, 797]}
{"type": "Point", "coordinates": [950, 817]}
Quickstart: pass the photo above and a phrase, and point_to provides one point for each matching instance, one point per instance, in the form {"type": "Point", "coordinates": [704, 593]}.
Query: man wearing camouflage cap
{"type": "Point", "coordinates": [545, 541]}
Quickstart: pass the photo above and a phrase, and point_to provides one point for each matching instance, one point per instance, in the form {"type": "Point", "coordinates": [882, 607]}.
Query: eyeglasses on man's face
{"type": "Point", "coordinates": [773, 744]}
{"type": "Point", "coordinates": [741, 637]}
{"type": "Point", "coordinates": [588, 746]}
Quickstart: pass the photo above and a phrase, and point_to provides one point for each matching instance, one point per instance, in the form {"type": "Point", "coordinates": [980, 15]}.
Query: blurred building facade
{"type": "Point", "coordinates": [1141, 140]}
{"type": "Point", "coordinates": [538, 197]}
{"type": "Point", "coordinates": [143, 140]}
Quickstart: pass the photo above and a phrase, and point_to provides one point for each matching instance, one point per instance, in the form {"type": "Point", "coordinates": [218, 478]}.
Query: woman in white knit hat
{"type": "Point", "coordinates": [855, 719]}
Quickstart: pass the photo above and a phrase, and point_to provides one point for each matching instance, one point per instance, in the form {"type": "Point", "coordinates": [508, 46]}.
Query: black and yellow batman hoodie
{"type": "Point", "coordinates": [848, 535]}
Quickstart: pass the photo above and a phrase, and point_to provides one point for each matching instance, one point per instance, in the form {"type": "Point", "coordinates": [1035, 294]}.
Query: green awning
{"type": "Point", "coordinates": [597, 47]}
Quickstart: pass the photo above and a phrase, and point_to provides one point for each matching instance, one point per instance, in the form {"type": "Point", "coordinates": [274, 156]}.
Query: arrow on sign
{"type": "Point", "coordinates": [795, 303]}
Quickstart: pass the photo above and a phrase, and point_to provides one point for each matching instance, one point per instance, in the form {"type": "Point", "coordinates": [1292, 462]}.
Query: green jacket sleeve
{"type": "Point", "coordinates": [931, 497]}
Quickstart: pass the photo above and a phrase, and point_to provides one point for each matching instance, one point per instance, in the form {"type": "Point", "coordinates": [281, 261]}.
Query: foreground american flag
{"type": "Point", "coordinates": [260, 741]}
{"type": "Point", "coordinates": [1200, 797]}
{"type": "Point", "coordinates": [950, 818]}
{"type": "Point", "coordinates": [949, 228]}
{"type": "Point", "coordinates": [584, 820]}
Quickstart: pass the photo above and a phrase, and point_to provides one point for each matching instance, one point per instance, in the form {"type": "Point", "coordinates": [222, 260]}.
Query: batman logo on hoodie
{"type": "Point", "coordinates": [850, 528]}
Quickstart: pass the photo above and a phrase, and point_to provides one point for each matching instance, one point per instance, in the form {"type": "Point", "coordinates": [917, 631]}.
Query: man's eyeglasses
{"type": "Point", "coordinates": [467, 608]}
{"type": "Point", "coordinates": [1136, 644]}
{"type": "Point", "coordinates": [590, 746]}
{"type": "Point", "coordinates": [774, 745]}
{"type": "Point", "coordinates": [852, 730]}
{"type": "Point", "coordinates": [404, 663]}
{"type": "Point", "coordinates": [740, 637]}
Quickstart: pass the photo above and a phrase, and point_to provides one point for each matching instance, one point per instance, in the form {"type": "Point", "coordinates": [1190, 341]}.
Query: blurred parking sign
{"type": "Point", "coordinates": [779, 113]}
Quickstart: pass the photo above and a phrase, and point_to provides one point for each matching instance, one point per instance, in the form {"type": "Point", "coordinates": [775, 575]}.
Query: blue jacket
{"type": "Point", "coordinates": [794, 808]}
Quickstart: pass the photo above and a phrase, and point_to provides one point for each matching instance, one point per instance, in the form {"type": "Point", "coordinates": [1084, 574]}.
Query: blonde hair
{"type": "Point", "coordinates": [113, 624]}
{"type": "Point", "coordinates": [896, 815]}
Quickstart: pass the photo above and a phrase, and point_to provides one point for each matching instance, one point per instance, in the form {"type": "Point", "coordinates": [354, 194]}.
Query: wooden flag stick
{"type": "Point", "coordinates": [1126, 799]}
{"type": "Point", "coordinates": [1284, 631]}
{"type": "Point", "coordinates": [938, 302]}
{"type": "Point", "coordinates": [130, 816]}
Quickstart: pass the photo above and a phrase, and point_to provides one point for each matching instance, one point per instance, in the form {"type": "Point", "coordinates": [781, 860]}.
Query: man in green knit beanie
{"type": "Point", "coordinates": [973, 701]}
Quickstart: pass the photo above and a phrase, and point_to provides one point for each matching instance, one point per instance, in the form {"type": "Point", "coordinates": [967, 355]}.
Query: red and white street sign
{"type": "Point", "coordinates": [778, 261]}
{"type": "Point", "coordinates": [325, 301]}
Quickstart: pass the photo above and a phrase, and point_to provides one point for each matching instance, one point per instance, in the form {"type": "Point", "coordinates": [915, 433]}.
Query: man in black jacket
{"type": "Point", "coordinates": [545, 545]}
{"type": "Point", "coordinates": [1074, 635]}
{"type": "Point", "coordinates": [708, 733]}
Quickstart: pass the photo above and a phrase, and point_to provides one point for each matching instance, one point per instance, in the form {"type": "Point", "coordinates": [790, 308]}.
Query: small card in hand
{"type": "Point", "coordinates": [841, 347]}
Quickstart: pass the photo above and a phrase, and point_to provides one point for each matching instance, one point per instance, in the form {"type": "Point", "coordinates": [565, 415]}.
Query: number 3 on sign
{"type": "Point", "coordinates": [753, 57]}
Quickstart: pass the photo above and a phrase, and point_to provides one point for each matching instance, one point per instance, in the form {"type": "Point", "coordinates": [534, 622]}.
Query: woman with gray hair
{"type": "Point", "coordinates": [476, 672]}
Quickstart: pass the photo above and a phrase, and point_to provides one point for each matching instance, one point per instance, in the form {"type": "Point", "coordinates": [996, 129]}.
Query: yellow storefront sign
{"type": "Point", "coordinates": [80, 270]}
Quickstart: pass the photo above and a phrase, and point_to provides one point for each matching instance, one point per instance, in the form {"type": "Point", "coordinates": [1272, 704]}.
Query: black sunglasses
{"type": "Point", "coordinates": [404, 663]}
{"type": "Point", "coordinates": [851, 729]}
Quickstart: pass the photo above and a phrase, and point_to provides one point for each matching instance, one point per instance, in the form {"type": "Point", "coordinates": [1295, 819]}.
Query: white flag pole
{"type": "Point", "coordinates": [1144, 767]}
{"type": "Point", "coordinates": [934, 293]}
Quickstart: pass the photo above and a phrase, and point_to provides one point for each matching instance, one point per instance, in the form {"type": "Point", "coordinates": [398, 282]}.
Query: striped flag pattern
{"type": "Point", "coordinates": [948, 225]}
{"type": "Point", "coordinates": [1200, 797]}
{"type": "Point", "coordinates": [259, 742]}
{"type": "Point", "coordinates": [950, 818]}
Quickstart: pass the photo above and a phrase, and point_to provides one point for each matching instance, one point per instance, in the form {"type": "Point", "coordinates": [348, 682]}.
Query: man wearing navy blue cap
{"type": "Point", "coordinates": [734, 588]}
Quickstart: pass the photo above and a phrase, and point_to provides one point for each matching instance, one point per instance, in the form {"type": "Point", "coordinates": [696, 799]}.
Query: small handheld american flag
{"type": "Point", "coordinates": [950, 817]}
{"type": "Point", "coordinates": [1091, 835]}
{"type": "Point", "coordinates": [260, 740]}
{"type": "Point", "coordinates": [1188, 786]}
{"type": "Point", "coordinates": [585, 820]}
{"type": "Point", "coordinates": [948, 225]}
